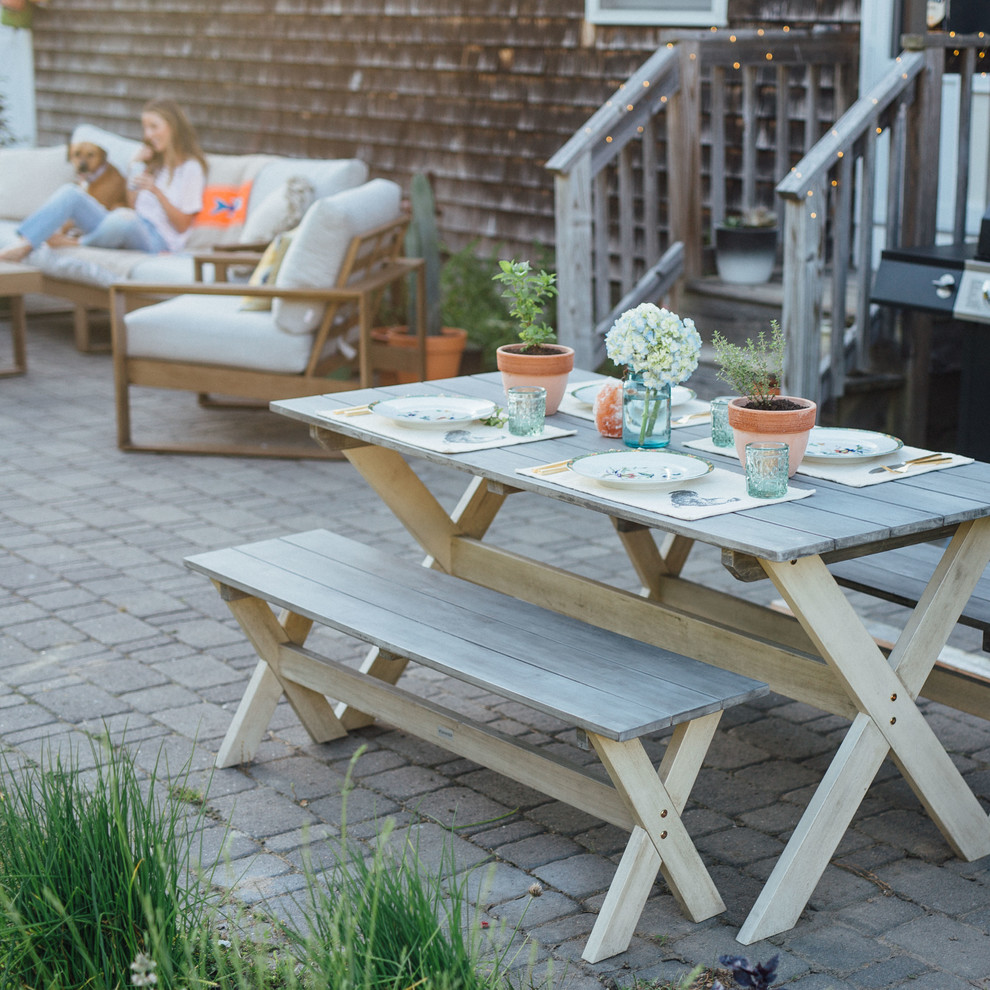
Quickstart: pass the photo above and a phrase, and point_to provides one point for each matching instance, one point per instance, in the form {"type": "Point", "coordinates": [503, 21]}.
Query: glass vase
{"type": "Point", "coordinates": [645, 414]}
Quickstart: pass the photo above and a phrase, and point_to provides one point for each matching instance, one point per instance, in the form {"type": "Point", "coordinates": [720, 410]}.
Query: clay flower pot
{"type": "Point", "coordinates": [790, 426]}
{"type": "Point", "coordinates": [443, 353]}
{"type": "Point", "coordinates": [550, 369]}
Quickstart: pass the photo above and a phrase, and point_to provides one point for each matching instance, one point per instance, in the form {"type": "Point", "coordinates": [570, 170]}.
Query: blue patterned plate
{"type": "Point", "coordinates": [827, 443]}
{"type": "Point", "coordinates": [433, 412]}
{"type": "Point", "coordinates": [640, 469]}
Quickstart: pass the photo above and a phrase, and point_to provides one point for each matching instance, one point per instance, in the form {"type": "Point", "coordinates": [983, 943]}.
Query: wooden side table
{"type": "Point", "coordinates": [15, 282]}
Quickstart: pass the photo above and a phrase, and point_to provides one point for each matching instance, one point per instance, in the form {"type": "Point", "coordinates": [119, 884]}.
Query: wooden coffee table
{"type": "Point", "coordinates": [15, 282]}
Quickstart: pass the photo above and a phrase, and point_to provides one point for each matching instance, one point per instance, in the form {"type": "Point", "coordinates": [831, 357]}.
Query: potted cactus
{"type": "Point", "coordinates": [444, 345]}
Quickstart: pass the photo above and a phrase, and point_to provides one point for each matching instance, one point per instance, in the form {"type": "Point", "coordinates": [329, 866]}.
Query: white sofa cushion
{"type": "Point", "coordinates": [28, 176]}
{"type": "Point", "coordinates": [326, 176]}
{"type": "Point", "coordinates": [214, 330]}
{"type": "Point", "coordinates": [320, 245]}
{"type": "Point", "coordinates": [91, 265]}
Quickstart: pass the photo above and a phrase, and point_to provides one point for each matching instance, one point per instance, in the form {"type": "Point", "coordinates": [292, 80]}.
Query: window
{"type": "Point", "coordinates": [669, 13]}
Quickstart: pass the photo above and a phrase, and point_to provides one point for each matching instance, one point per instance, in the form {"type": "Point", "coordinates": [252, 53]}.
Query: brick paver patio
{"type": "Point", "coordinates": [100, 624]}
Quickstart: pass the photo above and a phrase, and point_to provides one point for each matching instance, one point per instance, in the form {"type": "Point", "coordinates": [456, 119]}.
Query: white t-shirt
{"type": "Point", "coordinates": [183, 188]}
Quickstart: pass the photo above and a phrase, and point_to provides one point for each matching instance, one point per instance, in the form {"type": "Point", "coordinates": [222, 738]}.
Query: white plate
{"type": "Point", "coordinates": [642, 469]}
{"type": "Point", "coordinates": [433, 412]}
{"type": "Point", "coordinates": [586, 394]}
{"type": "Point", "coordinates": [828, 443]}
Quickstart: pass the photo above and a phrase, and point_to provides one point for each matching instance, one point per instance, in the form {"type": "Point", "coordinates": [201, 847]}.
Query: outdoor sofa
{"type": "Point", "coordinates": [250, 199]}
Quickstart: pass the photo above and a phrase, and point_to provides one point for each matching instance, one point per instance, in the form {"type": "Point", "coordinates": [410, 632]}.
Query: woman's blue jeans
{"type": "Point", "coordinates": [101, 227]}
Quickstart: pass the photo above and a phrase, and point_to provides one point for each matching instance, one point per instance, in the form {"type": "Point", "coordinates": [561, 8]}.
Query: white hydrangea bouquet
{"type": "Point", "coordinates": [658, 346]}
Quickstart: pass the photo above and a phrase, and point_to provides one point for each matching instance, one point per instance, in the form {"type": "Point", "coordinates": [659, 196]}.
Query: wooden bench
{"type": "Point", "coordinates": [900, 576]}
{"type": "Point", "coordinates": [612, 688]}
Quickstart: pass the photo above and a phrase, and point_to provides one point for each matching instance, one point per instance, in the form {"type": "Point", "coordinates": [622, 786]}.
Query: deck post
{"type": "Point", "coordinates": [575, 301]}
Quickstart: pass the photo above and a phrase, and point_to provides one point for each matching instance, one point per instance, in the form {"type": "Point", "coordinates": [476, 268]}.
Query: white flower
{"type": "Point", "coordinates": [655, 343]}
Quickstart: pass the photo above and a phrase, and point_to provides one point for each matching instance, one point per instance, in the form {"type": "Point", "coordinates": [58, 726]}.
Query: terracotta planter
{"type": "Point", "coordinates": [790, 426]}
{"type": "Point", "coordinates": [549, 370]}
{"type": "Point", "coordinates": [443, 353]}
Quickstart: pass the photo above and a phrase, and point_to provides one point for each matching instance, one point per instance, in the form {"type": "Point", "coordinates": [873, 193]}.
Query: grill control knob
{"type": "Point", "coordinates": [944, 285]}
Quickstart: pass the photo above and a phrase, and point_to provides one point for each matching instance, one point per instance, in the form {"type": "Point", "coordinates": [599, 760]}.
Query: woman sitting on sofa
{"type": "Point", "coordinates": [164, 196]}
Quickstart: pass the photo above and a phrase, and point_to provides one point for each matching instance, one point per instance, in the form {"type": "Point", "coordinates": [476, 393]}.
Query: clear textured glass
{"type": "Point", "coordinates": [721, 431]}
{"type": "Point", "coordinates": [645, 414]}
{"type": "Point", "coordinates": [527, 409]}
{"type": "Point", "coordinates": [766, 469]}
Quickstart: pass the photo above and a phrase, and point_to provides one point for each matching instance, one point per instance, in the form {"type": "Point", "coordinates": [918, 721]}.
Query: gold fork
{"type": "Point", "coordinates": [918, 462]}
{"type": "Point", "coordinates": [554, 468]}
{"type": "Point", "coordinates": [352, 411]}
{"type": "Point", "coordinates": [681, 420]}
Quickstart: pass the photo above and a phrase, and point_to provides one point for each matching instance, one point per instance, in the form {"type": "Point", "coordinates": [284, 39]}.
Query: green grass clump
{"type": "Point", "coordinates": [98, 892]}
{"type": "Point", "coordinates": [92, 875]}
{"type": "Point", "coordinates": [385, 923]}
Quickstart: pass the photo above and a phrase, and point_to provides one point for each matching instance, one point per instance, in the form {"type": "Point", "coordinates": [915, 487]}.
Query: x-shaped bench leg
{"type": "Point", "coordinates": [659, 841]}
{"type": "Point", "coordinates": [889, 722]}
{"type": "Point", "coordinates": [266, 687]}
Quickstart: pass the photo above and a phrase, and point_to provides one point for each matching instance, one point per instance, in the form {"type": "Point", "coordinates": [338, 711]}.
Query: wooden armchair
{"type": "Point", "coordinates": [203, 341]}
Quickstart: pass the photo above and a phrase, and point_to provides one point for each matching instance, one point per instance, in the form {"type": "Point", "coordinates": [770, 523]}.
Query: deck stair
{"type": "Point", "coordinates": [717, 122]}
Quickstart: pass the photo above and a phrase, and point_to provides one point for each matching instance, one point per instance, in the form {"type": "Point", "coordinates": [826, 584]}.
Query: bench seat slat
{"type": "Point", "coordinates": [488, 639]}
{"type": "Point", "coordinates": [563, 644]}
{"type": "Point", "coordinates": [900, 576]}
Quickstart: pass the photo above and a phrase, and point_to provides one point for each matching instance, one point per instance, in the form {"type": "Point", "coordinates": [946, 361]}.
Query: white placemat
{"type": "Point", "coordinates": [705, 444]}
{"type": "Point", "coordinates": [715, 494]}
{"type": "Point", "coordinates": [861, 474]}
{"type": "Point", "coordinates": [474, 436]}
{"type": "Point", "coordinates": [690, 413]}
{"type": "Point", "coordinates": [856, 474]}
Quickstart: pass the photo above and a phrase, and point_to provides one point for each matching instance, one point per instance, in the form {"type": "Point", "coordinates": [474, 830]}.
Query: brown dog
{"type": "Point", "coordinates": [96, 175]}
{"type": "Point", "coordinates": [99, 178]}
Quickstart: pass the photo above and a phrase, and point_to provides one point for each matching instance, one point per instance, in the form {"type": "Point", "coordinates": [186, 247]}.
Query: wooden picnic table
{"type": "Point", "coordinates": [822, 654]}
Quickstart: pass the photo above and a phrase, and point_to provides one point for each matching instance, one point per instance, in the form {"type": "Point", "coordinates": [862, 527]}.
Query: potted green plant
{"type": "Point", "coordinates": [754, 371]}
{"type": "Point", "coordinates": [537, 359]}
{"type": "Point", "coordinates": [444, 345]}
{"type": "Point", "coordinates": [746, 247]}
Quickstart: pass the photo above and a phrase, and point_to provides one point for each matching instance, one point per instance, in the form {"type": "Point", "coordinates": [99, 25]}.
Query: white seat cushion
{"type": "Point", "coordinates": [213, 330]}
{"type": "Point", "coordinates": [28, 176]}
{"type": "Point", "coordinates": [321, 242]}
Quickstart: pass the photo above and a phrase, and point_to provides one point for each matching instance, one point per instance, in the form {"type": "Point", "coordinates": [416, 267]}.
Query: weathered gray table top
{"type": "Point", "coordinates": [837, 518]}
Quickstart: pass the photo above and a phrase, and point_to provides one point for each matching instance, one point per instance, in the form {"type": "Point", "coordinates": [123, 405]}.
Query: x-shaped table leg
{"type": "Point", "coordinates": [266, 633]}
{"type": "Point", "coordinates": [659, 841]}
{"type": "Point", "coordinates": [889, 721]}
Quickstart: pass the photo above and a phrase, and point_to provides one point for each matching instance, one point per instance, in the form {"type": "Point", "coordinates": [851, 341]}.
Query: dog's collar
{"type": "Point", "coordinates": [90, 177]}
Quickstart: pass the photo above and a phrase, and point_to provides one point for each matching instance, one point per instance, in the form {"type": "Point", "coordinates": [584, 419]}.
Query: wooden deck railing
{"type": "Point", "coordinates": [835, 225]}
{"type": "Point", "coordinates": [704, 127]}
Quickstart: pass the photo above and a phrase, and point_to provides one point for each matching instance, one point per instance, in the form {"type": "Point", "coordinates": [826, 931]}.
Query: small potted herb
{"type": "Point", "coordinates": [746, 247]}
{"type": "Point", "coordinates": [537, 359]}
{"type": "Point", "coordinates": [754, 371]}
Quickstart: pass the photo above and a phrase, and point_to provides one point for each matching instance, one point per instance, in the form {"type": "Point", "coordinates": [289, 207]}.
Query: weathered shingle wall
{"type": "Point", "coordinates": [478, 93]}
